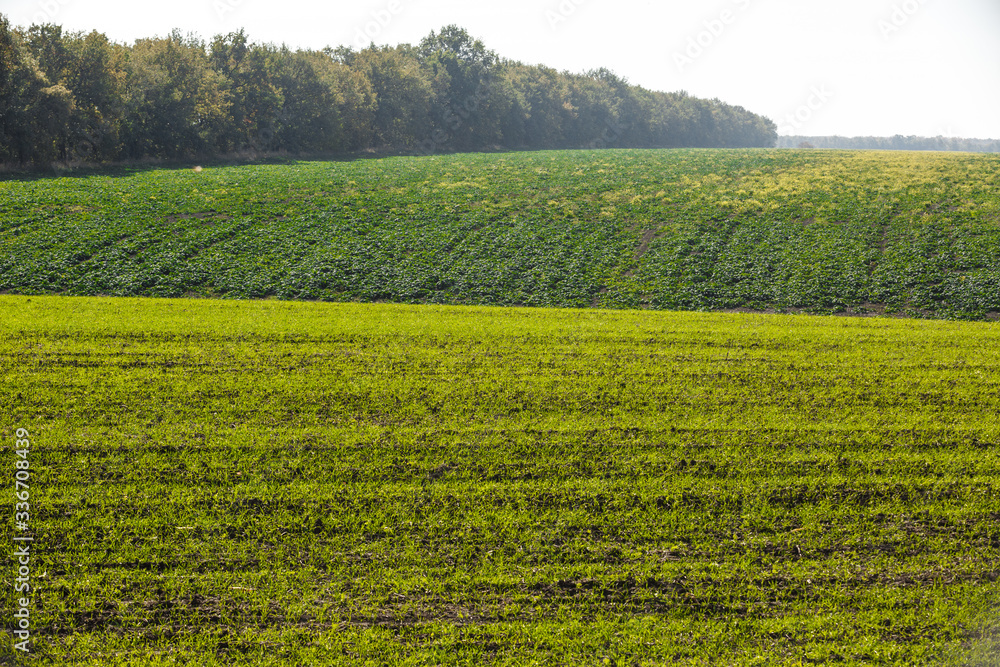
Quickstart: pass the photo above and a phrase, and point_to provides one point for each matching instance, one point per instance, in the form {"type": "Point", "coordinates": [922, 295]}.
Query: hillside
{"type": "Point", "coordinates": [826, 232]}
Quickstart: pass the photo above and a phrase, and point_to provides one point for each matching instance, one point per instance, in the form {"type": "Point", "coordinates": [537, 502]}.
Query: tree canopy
{"type": "Point", "coordinates": [78, 97]}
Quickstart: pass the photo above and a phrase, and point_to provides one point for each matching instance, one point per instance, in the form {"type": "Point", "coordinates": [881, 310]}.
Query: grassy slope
{"type": "Point", "coordinates": [824, 231]}
{"type": "Point", "coordinates": [348, 484]}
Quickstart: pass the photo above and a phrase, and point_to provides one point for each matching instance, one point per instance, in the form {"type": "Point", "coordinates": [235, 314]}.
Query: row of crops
{"type": "Point", "coordinates": [282, 483]}
{"type": "Point", "coordinates": [820, 231]}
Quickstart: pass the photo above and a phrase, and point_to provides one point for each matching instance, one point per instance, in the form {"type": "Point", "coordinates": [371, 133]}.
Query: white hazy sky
{"type": "Point", "coordinates": [848, 67]}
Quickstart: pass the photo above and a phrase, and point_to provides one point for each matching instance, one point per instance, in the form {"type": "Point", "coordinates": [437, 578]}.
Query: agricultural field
{"type": "Point", "coordinates": [229, 482]}
{"type": "Point", "coordinates": [915, 234]}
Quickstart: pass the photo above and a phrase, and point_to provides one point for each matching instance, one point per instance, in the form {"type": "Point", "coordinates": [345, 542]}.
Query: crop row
{"type": "Point", "coordinates": [281, 483]}
{"type": "Point", "coordinates": [821, 231]}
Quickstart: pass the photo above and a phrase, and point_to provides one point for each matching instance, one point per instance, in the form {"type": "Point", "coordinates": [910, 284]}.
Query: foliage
{"type": "Point", "coordinates": [33, 112]}
{"type": "Point", "coordinates": [82, 99]}
{"type": "Point", "coordinates": [904, 233]}
{"type": "Point", "coordinates": [403, 95]}
{"type": "Point", "coordinates": [178, 101]}
{"type": "Point", "coordinates": [279, 483]}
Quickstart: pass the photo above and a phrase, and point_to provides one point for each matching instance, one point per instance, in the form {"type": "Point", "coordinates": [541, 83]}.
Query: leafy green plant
{"type": "Point", "coordinates": [823, 232]}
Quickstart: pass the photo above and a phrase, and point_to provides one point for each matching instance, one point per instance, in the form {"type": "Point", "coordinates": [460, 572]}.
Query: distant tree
{"type": "Point", "coordinates": [177, 103]}
{"type": "Point", "coordinates": [51, 112]}
{"type": "Point", "coordinates": [403, 94]}
{"type": "Point", "coordinates": [594, 123]}
{"type": "Point", "coordinates": [542, 104]}
{"type": "Point", "coordinates": [462, 72]}
{"type": "Point", "coordinates": [228, 57]}
{"type": "Point", "coordinates": [93, 71]}
{"type": "Point", "coordinates": [308, 119]}
{"type": "Point", "coordinates": [625, 105]}
{"type": "Point", "coordinates": [12, 95]}
{"type": "Point", "coordinates": [34, 114]}
{"type": "Point", "coordinates": [51, 50]}
{"type": "Point", "coordinates": [96, 74]}
{"type": "Point", "coordinates": [354, 98]}
{"type": "Point", "coordinates": [251, 74]}
{"type": "Point", "coordinates": [895, 143]}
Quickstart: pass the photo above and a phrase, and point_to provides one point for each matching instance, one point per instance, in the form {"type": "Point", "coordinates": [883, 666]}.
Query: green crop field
{"type": "Point", "coordinates": [226, 482]}
{"type": "Point", "coordinates": [818, 231]}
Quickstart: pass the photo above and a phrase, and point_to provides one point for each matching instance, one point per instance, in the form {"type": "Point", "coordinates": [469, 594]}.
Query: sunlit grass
{"type": "Point", "coordinates": [288, 483]}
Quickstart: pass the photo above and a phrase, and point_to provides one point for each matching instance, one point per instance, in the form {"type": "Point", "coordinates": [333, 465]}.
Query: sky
{"type": "Point", "coordinates": [849, 67]}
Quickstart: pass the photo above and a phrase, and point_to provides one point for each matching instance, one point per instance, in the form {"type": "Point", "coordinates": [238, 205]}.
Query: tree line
{"type": "Point", "coordinates": [894, 143]}
{"type": "Point", "coordinates": [76, 97]}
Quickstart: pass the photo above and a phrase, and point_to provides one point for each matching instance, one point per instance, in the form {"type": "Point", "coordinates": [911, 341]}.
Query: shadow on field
{"type": "Point", "coordinates": [130, 167]}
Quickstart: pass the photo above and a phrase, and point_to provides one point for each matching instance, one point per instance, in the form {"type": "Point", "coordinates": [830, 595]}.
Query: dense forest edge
{"type": "Point", "coordinates": [76, 98]}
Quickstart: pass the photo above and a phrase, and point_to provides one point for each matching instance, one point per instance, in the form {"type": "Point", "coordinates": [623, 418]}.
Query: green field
{"type": "Point", "coordinates": [231, 482]}
{"type": "Point", "coordinates": [916, 234]}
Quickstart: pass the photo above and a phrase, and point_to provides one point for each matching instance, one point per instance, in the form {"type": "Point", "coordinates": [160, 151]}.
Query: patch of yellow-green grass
{"type": "Point", "coordinates": [231, 482]}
